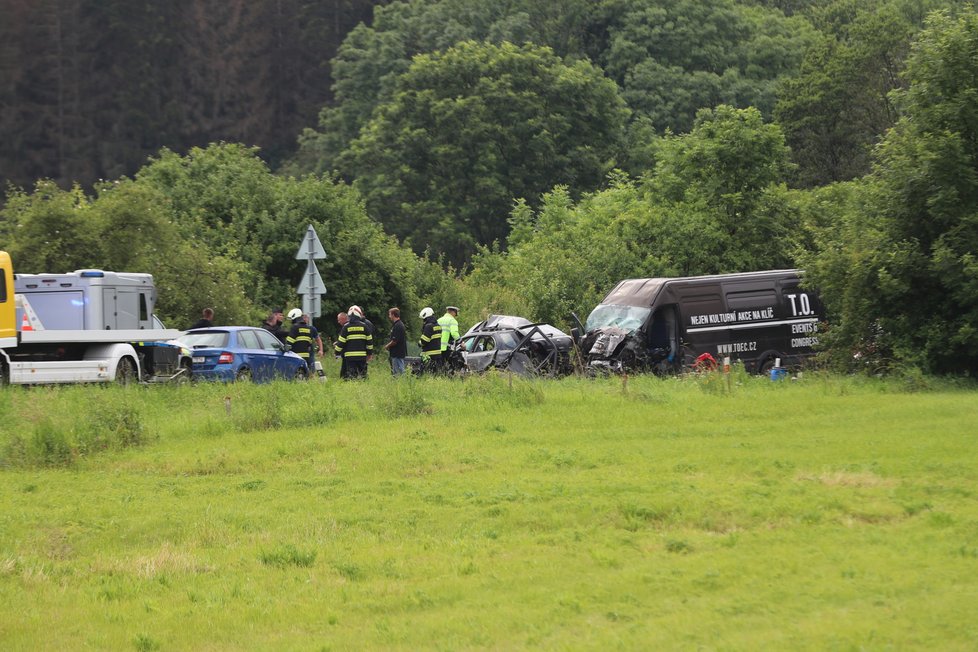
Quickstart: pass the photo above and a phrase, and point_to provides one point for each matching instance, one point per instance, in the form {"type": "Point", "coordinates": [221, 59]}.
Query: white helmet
{"type": "Point", "coordinates": [355, 310]}
{"type": "Point", "coordinates": [425, 313]}
{"type": "Point", "coordinates": [295, 313]}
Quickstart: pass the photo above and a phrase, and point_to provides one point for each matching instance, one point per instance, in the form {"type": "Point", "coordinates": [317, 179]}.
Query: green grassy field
{"type": "Point", "coordinates": [823, 513]}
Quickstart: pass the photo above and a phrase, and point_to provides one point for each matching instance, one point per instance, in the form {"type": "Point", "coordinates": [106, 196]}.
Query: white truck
{"type": "Point", "coordinates": [82, 327]}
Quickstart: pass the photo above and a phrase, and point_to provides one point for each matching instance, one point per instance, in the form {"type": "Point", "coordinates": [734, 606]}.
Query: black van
{"type": "Point", "coordinates": [665, 324]}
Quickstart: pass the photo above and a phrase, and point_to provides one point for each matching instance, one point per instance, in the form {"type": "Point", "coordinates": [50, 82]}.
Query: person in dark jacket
{"type": "Point", "coordinates": [273, 324]}
{"type": "Point", "coordinates": [355, 344]}
{"type": "Point", "coordinates": [430, 343]}
{"type": "Point", "coordinates": [205, 321]}
{"type": "Point", "coordinates": [397, 345]}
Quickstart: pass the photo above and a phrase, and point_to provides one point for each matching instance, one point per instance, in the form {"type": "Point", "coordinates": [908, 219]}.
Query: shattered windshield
{"type": "Point", "coordinates": [627, 318]}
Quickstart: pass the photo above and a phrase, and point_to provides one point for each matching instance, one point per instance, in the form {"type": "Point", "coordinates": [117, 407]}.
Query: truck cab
{"type": "Point", "coordinates": [8, 322]}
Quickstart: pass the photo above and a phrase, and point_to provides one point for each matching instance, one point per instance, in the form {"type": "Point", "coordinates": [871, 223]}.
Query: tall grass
{"type": "Point", "coordinates": [709, 512]}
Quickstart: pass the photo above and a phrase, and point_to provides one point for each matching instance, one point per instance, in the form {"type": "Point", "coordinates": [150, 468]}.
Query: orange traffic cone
{"type": "Point", "coordinates": [25, 324]}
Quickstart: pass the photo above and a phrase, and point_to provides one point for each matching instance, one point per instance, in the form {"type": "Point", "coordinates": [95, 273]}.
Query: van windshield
{"type": "Point", "coordinates": [627, 318]}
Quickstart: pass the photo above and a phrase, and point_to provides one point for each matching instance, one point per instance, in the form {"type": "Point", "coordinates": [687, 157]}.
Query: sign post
{"type": "Point", "coordinates": [311, 288]}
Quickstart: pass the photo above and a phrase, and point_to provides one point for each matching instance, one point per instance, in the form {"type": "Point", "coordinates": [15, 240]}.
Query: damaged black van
{"type": "Point", "coordinates": [666, 324]}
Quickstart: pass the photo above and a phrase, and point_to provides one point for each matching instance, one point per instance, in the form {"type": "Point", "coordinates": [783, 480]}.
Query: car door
{"type": "Point", "coordinates": [259, 361]}
{"type": "Point", "coordinates": [479, 352]}
{"type": "Point", "coordinates": [279, 364]}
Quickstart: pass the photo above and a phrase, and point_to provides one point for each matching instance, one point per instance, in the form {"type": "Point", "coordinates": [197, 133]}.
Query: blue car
{"type": "Point", "coordinates": [229, 353]}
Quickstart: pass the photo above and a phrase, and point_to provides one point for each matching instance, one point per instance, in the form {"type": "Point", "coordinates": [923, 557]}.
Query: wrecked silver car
{"type": "Point", "coordinates": [518, 345]}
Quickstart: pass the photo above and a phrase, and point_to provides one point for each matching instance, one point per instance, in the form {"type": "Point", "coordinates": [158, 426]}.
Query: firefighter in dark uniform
{"type": "Point", "coordinates": [302, 338]}
{"type": "Point", "coordinates": [431, 357]}
{"type": "Point", "coordinates": [355, 344]}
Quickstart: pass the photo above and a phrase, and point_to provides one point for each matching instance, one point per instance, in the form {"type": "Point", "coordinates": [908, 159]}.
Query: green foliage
{"type": "Point", "coordinates": [838, 107]}
{"type": "Point", "coordinates": [470, 129]}
{"type": "Point", "coordinates": [900, 266]}
{"type": "Point", "coordinates": [673, 58]}
{"type": "Point", "coordinates": [372, 57]}
{"type": "Point", "coordinates": [127, 227]}
{"type": "Point", "coordinates": [216, 228]}
{"type": "Point", "coordinates": [714, 203]}
{"type": "Point", "coordinates": [235, 206]}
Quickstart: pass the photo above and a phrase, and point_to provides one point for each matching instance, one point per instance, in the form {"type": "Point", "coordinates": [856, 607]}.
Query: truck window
{"type": "Point", "coordinates": [3, 288]}
{"type": "Point", "coordinates": [143, 308]}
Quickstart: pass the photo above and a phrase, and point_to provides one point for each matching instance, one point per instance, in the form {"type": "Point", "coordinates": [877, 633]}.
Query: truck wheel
{"type": "Point", "coordinates": [185, 375]}
{"type": "Point", "coordinates": [4, 374]}
{"type": "Point", "coordinates": [125, 372]}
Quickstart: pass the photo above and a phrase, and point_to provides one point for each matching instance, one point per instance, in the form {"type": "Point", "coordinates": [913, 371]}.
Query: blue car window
{"type": "Point", "coordinates": [205, 339]}
{"type": "Point", "coordinates": [248, 340]}
{"type": "Point", "coordinates": [268, 341]}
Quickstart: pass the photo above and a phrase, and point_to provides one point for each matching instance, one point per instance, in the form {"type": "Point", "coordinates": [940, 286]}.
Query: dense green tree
{"type": "Point", "coordinates": [673, 58]}
{"type": "Point", "coordinates": [838, 108]}
{"type": "Point", "coordinates": [90, 88]}
{"type": "Point", "coordinates": [125, 227]}
{"type": "Point", "coordinates": [473, 128]}
{"type": "Point", "coordinates": [371, 58]}
{"type": "Point", "coordinates": [722, 186]}
{"type": "Point", "coordinates": [899, 269]}
{"type": "Point", "coordinates": [216, 228]}
{"type": "Point", "coordinates": [226, 199]}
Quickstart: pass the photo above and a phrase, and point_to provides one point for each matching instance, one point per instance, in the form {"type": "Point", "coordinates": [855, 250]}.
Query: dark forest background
{"type": "Point", "coordinates": [90, 88]}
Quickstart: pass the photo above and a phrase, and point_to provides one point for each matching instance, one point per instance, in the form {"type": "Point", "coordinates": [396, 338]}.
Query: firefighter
{"type": "Point", "coordinates": [303, 338]}
{"type": "Point", "coordinates": [430, 341]}
{"type": "Point", "coordinates": [355, 344]}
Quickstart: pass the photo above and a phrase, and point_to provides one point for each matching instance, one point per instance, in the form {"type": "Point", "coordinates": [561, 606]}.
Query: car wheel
{"type": "Point", "coordinates": [243, 375]}
{"type": "Point", "coordinates": [125, 372]}
{"type": "Point", "coordinates": [302, 373]}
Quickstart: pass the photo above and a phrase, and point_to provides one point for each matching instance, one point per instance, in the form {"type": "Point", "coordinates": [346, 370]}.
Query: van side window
{"type": "Point", "coordinates": [698, 305]}
{"type": "Point", "coordinates": [751, 299]}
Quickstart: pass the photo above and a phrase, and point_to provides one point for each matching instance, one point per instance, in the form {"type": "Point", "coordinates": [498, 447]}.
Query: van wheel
{"type": "Point", "coordinates": [767, 364]}
{"type": "Point", "coordinates": [125, 372]}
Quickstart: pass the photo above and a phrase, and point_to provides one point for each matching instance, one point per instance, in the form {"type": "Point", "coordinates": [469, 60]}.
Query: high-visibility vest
{"type": "Point", "coordinates": [449, 330]}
